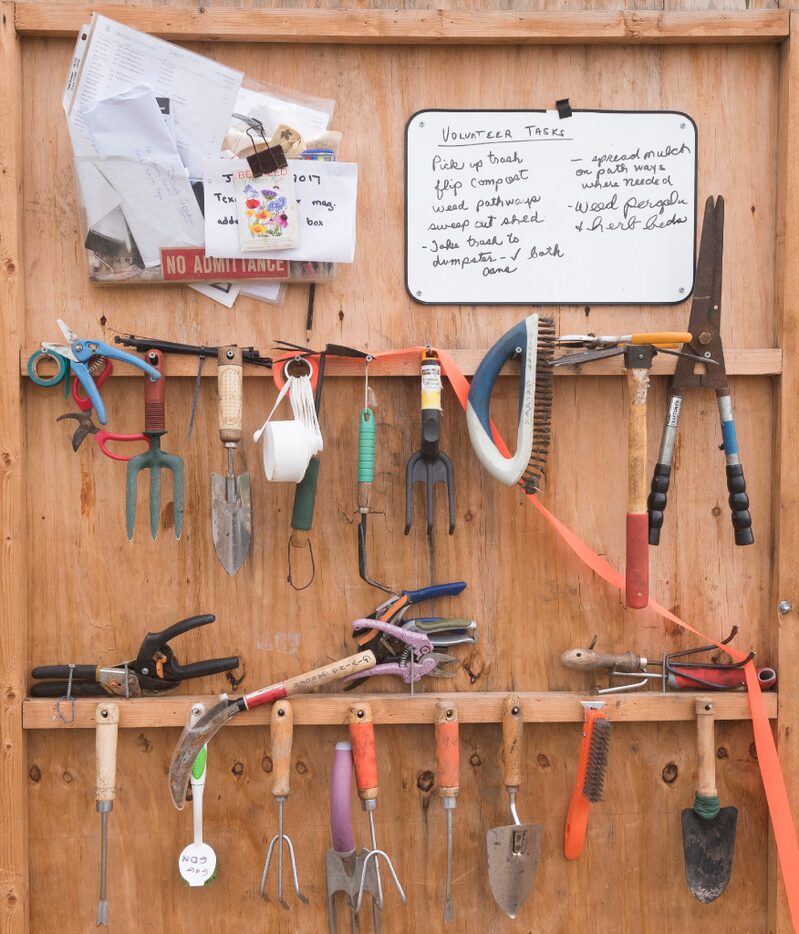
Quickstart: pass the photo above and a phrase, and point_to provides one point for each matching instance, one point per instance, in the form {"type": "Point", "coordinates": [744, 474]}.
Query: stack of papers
{"type": "Point", "coordinates": [147, 120]}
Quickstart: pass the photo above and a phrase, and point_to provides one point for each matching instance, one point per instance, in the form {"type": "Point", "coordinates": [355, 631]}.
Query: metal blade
{"type": "Point", "coordinates": [231, 523]}
{"type": "Point", "coordinates": [513, 854]}
{"type": "Point", "coordinates": [191, 741]}
{"type": "Point", "coordinates": [69, 335]}
{"type": "Point", "coordinates": [708, 849]}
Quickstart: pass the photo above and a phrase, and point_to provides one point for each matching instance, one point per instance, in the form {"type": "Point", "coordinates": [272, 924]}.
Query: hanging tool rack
{"type": "Point", "coordinates": [71, 584]}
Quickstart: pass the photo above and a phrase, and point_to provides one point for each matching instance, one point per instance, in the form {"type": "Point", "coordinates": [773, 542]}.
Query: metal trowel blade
{"type": "Point", "coordinates": [513, 854]}
{"type": "Point", "coordinates": [708, 848]}
{"type": "Point", "coordinates": [231, 523]}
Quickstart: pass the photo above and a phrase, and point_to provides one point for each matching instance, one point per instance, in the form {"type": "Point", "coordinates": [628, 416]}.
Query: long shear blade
{"type": "Point", "coordinates": [69, 335]}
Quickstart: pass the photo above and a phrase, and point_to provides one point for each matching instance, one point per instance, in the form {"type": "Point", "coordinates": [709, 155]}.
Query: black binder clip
{"type": "Point", "coordinates": [268, 160]}
{"type": "Point", "coordinates": [563, 108]}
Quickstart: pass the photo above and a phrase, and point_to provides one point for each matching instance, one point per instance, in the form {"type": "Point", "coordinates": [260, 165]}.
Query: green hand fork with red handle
{"type": "Point", "coordinates": [155, 459]}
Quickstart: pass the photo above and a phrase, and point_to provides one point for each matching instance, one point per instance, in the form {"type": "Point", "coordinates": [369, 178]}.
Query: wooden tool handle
{"type": "Point", "coordinates": [447, 750]}
{"type": "Point", "coordinates": [362, 734]}
{"type": "Point", "coordinates": [637, 565]}
{"type": "Point", "coordinates": [350, 665]}
{"type": "Point", "coordinates": [107, 720]}
{"type": "Point", "coordinates": [512, 730]}
{"type": "Point", "coordinates": [589, 660]}
{"type": "Point", "coordinates": [282, 730]}
{"type": "Point", "coordinates": [229, 376]}
{"type": "Point", "coordinates": [705, 747]}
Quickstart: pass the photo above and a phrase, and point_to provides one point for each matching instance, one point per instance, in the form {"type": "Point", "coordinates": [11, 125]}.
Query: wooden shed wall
{"type": "Point", "coordinates": [88, 594]}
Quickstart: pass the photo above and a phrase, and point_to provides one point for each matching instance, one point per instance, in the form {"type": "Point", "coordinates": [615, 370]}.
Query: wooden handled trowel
{"type": "Point", "coordinates": [231, 508]}
{"type": "Point", "coordinates": [513, 850]}
{"type": "Point", "coordinates": [708, 831]}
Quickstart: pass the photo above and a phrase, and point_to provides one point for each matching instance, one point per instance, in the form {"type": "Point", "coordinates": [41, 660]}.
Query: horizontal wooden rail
{"type": "Point", "coordinates": [397, 709]}
{"type": "Point", "coordinates": [415, 27]}
{"type": "Point", "coordinates": [766, 361]}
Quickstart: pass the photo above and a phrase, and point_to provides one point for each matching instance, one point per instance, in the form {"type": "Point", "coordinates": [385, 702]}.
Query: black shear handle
{"type": "Point", "coordinates": [79, 673]}
{"type": "Point", "coordinates": [211, 666]}
{"type": "Point", "coordinates": [185, 625]}
{"type": "Point", "coordinates": [59, 689]}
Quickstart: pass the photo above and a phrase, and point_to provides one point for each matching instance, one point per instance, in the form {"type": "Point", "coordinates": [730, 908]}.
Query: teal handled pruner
{"type": "Point", "coordinates": [87, 357]}
{"type": "Point", "coordinates": [155, 459]}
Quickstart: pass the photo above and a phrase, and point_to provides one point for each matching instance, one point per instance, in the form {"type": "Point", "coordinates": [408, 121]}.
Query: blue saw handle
{"type": "Point", "coordinates": [437, 590]}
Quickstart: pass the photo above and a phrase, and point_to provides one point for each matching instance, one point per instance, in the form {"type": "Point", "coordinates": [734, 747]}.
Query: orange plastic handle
{"type": "Point", "coordinates": [580, 806]}
{"type": "Point", "coordinates": [447, 750]}
{"type": "Point", "coordinates": [362, 734]}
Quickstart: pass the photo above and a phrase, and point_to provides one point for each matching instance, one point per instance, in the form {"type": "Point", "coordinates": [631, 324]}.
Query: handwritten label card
{"type": "Point", "coordinates": [326, 194]}
{"type": "Point", "coordinates": [506, 207]}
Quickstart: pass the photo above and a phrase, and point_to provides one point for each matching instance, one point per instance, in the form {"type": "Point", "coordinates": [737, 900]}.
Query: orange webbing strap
{"type": "Point", "coordinates": [768, 761]}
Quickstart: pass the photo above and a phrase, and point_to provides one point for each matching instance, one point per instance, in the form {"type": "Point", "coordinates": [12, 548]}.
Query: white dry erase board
{"type": "Point", "coordinates": [522, 206]}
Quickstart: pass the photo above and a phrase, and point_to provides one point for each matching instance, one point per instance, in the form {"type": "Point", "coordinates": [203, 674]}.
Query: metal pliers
{"type": "Point", "coordinates": [704, 325]}
{"type": "Point", "coordinates": [155, 670]}
{"type": "Point", "coordinates": [87, 359]}
{"type": "Point", "coordinates": [414, 660]}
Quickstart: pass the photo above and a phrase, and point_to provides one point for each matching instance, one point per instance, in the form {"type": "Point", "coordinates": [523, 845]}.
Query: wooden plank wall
{"type": "Point", "coordinates": [93, 595]}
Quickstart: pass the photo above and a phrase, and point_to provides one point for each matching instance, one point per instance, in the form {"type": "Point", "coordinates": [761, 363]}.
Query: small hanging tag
{"type": "Point", "coordinates": [267, 210]}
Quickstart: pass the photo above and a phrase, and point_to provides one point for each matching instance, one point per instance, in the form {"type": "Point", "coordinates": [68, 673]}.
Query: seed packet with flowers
{"type": "Point", "coordinates": [267, 210]}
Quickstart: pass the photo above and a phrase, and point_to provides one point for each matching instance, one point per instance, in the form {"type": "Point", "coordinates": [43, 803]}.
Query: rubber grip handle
{"type": "Point", "coordinates": [211, 666]}
{"type": "Point", "coordinates": [154, 408]}
{"type": "Point", "coordinates": [662, 337]}
{"type": "Point", "coordinates": [637, 570]}
{"type": "Point", "coordinates": [58, 689]}
{"type": "Point", "coordinates": [340, 780]}
{"type": "Point", "coordinates": [79, 672]}
{"type": "Point", "coordinates": [512, 734]}
{"type": "Point", "coordinates": [722, 678]}
{"type": "Point", "coordinates": [657, 500]}
{"type": "Point", "coordinates": [107, 720]}
{"type": "Point", "coordinates": [447, 750]}
{"type": "Point", "coordinates": [705, 747]}
{"type": "Point", "coordinates": [305, 498]}
{"type": "Point", "coordinates": [282, 734]}
{"type": "Point", "coordinates": [362, 734]}
{"type": "Point", "coordinates": [739, 504]}
{"type": "Point", "coordinates": [437, 590]}
{"type": "Point", "coordinates": [366, 446]}
{"type": "Point", "coordinates": [229, 381]}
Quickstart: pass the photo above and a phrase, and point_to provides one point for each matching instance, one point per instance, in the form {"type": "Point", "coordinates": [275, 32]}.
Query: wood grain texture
{"type": "Point", "coordinates": [765, 361]}
{"type": "Point", "coordinates": [398, 709]}
{"type": "Point", "coordinates": [786, 495]}
{"type": "Point", "coordinates": [14, 891]}
{"type": "Point", "coordinates": [94, 595]}
{"type": "Point", "coordinates": [417, 27]}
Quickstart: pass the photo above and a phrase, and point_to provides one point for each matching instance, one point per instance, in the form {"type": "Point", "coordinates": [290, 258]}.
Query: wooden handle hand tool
{"type": "Point", "coordinates": [512, 735]}
{"type": "Point", "coordinates": [107, 720]}
{"type": "Point", "coordinates": [637, 566]}
{"type": "Point", "coordinates": [282, 730]}
{"type": "Point", "coordinates": [362, 735]}
{"type": "Point", "coordinates": [195, 737]}
{"type": "Point", "coordinates": [448, 779]}
{"type": "Point", "coordinates": [229, 376]}
{"type": "Point", "coordinates": [591, 660]}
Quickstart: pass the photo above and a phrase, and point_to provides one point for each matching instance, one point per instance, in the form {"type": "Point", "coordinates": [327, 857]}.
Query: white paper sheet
{"type": "Point", "coordinates": [202, 93]}
{"type": "Point", "coordinates": [326, 197]}
{"type": "Point", "coordinates": [223, 292]}
{"type": "Point", "coordinates": [272, 111]}
{"type": "Point", "coordinates": [262, 291]}
{"type": "Point", "coordinates": [141, 163]}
